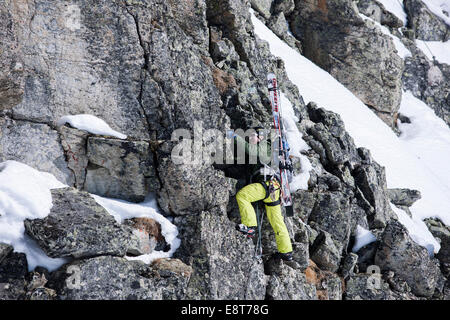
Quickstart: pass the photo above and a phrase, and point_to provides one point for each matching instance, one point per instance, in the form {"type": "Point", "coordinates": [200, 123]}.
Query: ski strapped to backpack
{"type": "Point", "coordinates": [280, 149]}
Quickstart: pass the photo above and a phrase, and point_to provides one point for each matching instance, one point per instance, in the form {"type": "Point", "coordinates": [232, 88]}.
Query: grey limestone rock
{"type": "Point", "coordinates": [79, 227]}
{"type": "Point", "coordinates": [426, 24]}
{"type": "Point", "coordinates": [120, 169]}
{"type": "Point", "coordinates": [411, 262]}
{"type": "Point", "coordinates": [115, 278]}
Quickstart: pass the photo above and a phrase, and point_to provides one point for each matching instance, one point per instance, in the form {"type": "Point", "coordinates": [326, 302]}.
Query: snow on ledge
{"type": "Point", "coordinates": [418, 231]}
{"type": "Point", "coordinates": [25, 194]}
{"type": "Point", "coordinates": [402, 51]}
{"type": "Point", "coordinates": [121, 210]}
{"type": "Point", "coordinates": [90, 124]}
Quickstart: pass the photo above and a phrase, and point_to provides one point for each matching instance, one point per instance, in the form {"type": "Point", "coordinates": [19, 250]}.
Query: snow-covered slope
{"type": "Point", "coordinates": [404, 168]}
{"type": "Point", "coordinates": [437, 49]}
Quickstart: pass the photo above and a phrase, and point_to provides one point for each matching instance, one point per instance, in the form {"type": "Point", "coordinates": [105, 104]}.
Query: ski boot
{"type": "Point", "coordinates": [248, 231]}
{"type": "Point", "coordinates": [283, 256]}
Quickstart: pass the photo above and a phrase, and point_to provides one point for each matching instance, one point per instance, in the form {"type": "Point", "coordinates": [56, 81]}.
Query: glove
{"type": "Point", "coordinates": [230, 134]}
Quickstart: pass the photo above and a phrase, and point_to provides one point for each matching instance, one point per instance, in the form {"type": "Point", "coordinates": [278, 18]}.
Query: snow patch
{"type": "Point", "coordinates": [440, 50]}
{"type": "Point", "coordinates": [363, 237]}
{"type": "Point", "coordinates": [90, 124]}
{"type": "Point", "coordinates": [121, 210]}
{"type": "Point", "coordinates": [418, 231]}
{"type": "Point", "coordinates": [25, 194]}
{"type": "Point", "coordinates": [427, 137]}
{"type": "Point", "coordinates": [296, 144]}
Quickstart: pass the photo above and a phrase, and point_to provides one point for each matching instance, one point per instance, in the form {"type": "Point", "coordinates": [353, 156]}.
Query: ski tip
{"type": "Point", "coordinates": [271, 76]}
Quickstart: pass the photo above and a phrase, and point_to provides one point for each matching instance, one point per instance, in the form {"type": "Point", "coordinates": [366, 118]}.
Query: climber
{"type": "Point", "coordinates": [264, 185]}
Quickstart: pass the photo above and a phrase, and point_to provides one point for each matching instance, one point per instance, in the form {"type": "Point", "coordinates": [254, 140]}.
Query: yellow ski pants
{"type": "Point", "coordinates": [255, 192]}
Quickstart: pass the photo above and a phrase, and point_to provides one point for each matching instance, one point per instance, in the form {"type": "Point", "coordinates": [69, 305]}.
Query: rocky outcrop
{"type": "Point", "coordinates": [369, 67]}
{"type": "Point", "coordinates": [371, 180]}
{"type": "Point", "coordinates": [5, 250]}
{"type": "Point", "coordinates": [34, 144]}
{"type": "Point", "coordinates": [150, 67]}
{"type": "Point", "coordinates": [411, 262]}
{"type": "Point", "coordinates": [403, 197]}
{"type": "Point", "coordinates": [13, 272]}
{"type": "Point", "coordinates": [79, 227]}
{"type": "Point", "coordinates": [127, 280]}
{"type": "Point", "coordinates": [120, 169]}
{"type": "Point", "coordinates": [428, 81]}
{"type": "Point", "coordinates": [286, 283]}
{"type": "Point", "coordinates": [376, 11]}
{"type": "Point", "coordinates": [326, 252]}
{"type": "Point", "coordinates": [426, 25]}
{"type": "Point", "coordinates": [237, 274]}
{"type": "Point", "coordinates": [441, 232]}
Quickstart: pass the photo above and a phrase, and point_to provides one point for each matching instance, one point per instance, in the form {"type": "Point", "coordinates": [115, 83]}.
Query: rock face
{"type": "Point", "coordinates": [369, 67]}
{"type": "Point", "coordinates": [426, 25]}
{"type": "Point", "coordinates": [119, 169]}
{"type": "Point", "coordinates": [34, 144]}
{"type": "Point", "coordinates": [80, 57]}
{"type": "Point", "coordinates": [411, 262]}
{"type": "Point", "coordinates": [428, 81]}
{"type": "Point", "coordinates": [78, 227]}
{"type": "Point", "coordinates": [128, 280]}
{"type": "Point", "coordinates": [172, 73]}
{"type": "Point", "coordinates": [13, 272]}
{"type": "Point", "coordinates": [216, 276]}
{"type": "Point", "coordinates": [11, 65]}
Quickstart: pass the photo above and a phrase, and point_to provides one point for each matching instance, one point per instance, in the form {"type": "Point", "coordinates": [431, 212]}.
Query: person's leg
{"type": "Point", "coordinates": [248, 194]}
{"type": "Point", "coordinates": [276, 220]}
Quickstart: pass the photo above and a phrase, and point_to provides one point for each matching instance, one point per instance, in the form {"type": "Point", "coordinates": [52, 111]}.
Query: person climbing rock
{"type": "Point", "coordinates": [264, 186]}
